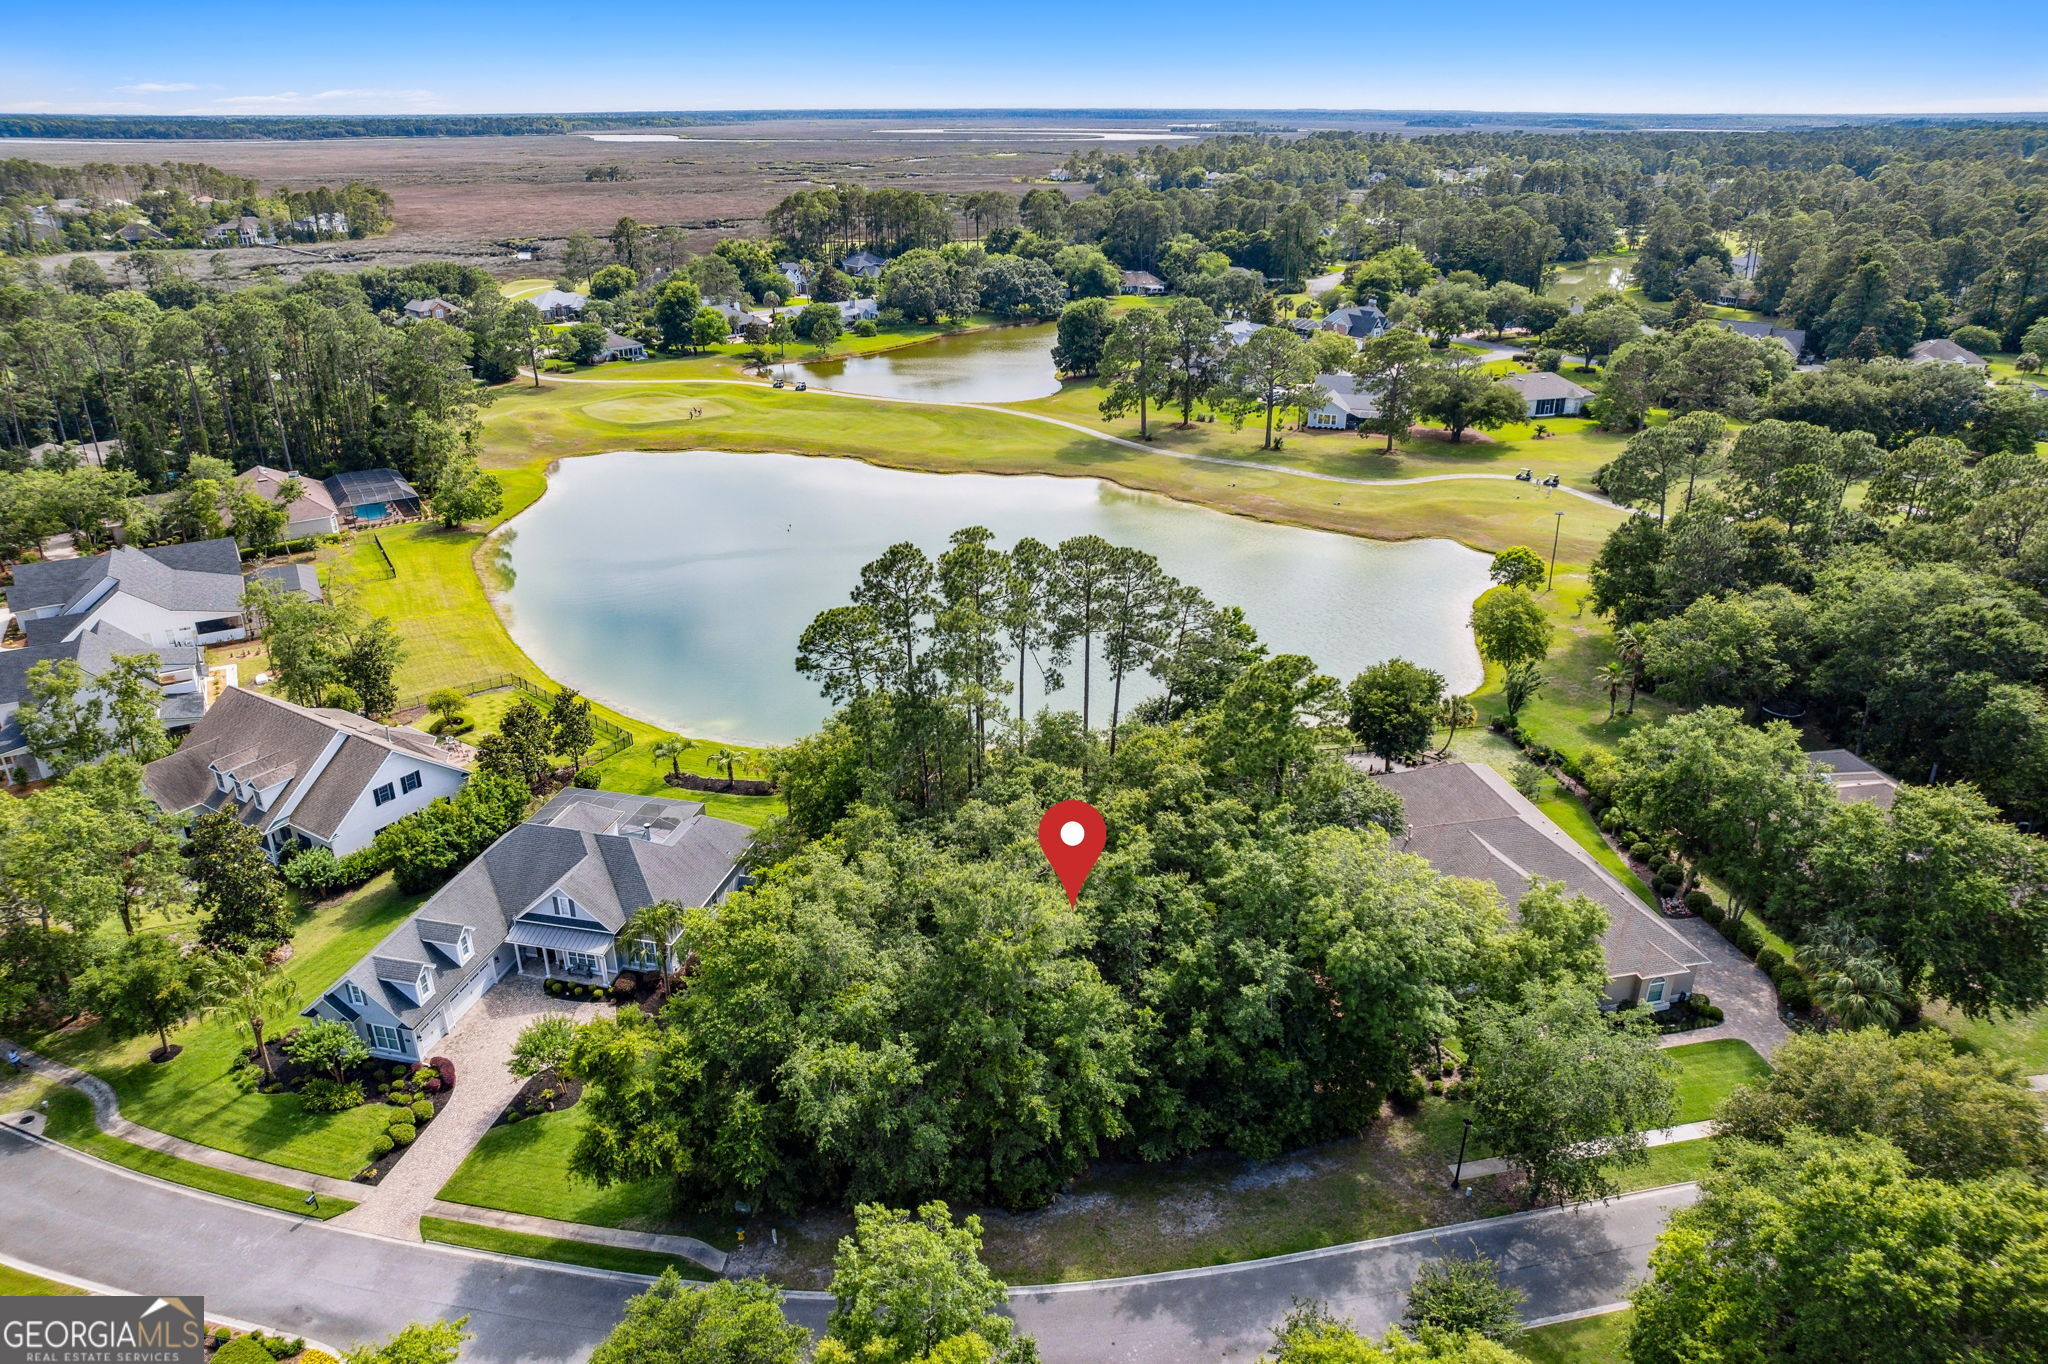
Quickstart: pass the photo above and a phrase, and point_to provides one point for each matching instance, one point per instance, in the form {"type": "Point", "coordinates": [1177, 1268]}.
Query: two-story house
{"type": "Point", "coordinates": [298, 775]}
{"type": "Point", "coordinates": [547, 899]}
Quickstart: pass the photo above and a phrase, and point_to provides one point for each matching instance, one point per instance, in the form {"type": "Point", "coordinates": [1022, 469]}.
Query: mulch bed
{"type": "Point", "coordinates": [162, 1054]}
{"type": "Point", "coordinates": [743, 786]}
{"type": "Point", "coordinates": [528, 1103]}
{"type": "Point", "coordinates": [375, 1170]}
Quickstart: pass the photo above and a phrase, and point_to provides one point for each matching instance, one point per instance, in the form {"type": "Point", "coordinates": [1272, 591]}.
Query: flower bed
{"type": "Point", "coordinates": [415, 1096]}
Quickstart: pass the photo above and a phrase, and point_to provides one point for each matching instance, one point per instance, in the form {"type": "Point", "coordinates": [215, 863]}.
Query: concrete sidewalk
{"type": "Point", "coordinates": [683, 1247]}
{"type": "Point", "coordinates": [1669, 1136]}
{"type": "Point", "coordinates": [106, 1112]}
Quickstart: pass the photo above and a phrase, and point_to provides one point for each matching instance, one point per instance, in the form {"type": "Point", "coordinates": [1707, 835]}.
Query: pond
{"type": "Point", "coordinates": [674, 586]}
{"type": "Point", "coordinates": [996, 365]}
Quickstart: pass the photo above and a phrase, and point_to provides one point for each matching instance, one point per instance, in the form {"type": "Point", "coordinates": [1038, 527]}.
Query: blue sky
{"type": "Point", "coordinates": [1807, 56]}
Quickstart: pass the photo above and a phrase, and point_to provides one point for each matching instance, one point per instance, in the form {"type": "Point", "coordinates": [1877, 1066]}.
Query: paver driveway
{"type": "Point", "coordinates": [479, 1047]}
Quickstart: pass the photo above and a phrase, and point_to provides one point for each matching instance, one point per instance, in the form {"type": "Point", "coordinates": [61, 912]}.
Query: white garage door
{"type": "Point", "coordinates": [472, 992]}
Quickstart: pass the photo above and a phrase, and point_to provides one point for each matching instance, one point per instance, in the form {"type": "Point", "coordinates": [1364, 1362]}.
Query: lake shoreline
{"type": "Point", "coordinates": [542, 639]}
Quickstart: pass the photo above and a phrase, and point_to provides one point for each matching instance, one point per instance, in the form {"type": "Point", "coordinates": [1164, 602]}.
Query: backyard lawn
{"type": "Point", "coordinates": [1569, 813]}
{"type": "Point", "coordinates": [1708, 1072]}
{"type": "Point", "coordinates": [193, 1095]}
{"type": "Point", "coordinates": [625, 1259]}
{"type": "Point", "coordinates": [2021, 1039]}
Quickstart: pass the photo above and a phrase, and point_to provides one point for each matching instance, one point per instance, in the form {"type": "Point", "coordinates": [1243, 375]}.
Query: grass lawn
{"type": "Point", "coordinates": [524, 1167]}
{"type": "Point", "coordinates": [1708, 1073]}
{"type": "Point", "coordinates": [622, 1258]}
{"type": "Point", "coordinates": [19, 1283]}
{"type": "Point", "coordinates": [1569, 813]}
{"type": "Point", "coordinates": [2021, 1039]}
{"type": "Point", "coordinates": [193, 1096]}
{"type": "Point", "coordinates": [1589, 1340]}
{"type": "Point", "coordinates": [71, 1123]}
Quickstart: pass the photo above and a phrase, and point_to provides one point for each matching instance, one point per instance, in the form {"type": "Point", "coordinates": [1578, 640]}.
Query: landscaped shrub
{"type": "Point", "coordinates": [1710, 1012]}
{"type": "Point", "coordinates": [1743, 934]}
{"type": "Point", "coordinates": [1454, 1092]}
{"type": "Point", "coordinates": [1407, 1095]}
{"type": "Point", "coordinates": [586, 778]}
{"type": "Point", "coordinates": [1698, 901]}
{"type": "Point", "coordinates": [432, 1086]}
{"type": "Point", "coordinates": [513, 1115]}
{"type": "Point", "coordinates": [381, 1145]}
{"type": "Point", "coordinates": [444, 1068]}
{"type": "Point", "coordinates": [1713, 914]}
{"type": "Point", "coordinates": [322, 1095]}
{"type": "Point", "coordinates": [1771, 962]}
{"type": "Point", "coordinates": [1640, 851]}
{"type": "Point", "coordinates": [399, 1117]}
{"type": "Point", "coordinates": [423, 1109]}
{"type": "Point", "coordinates": [404, 1133]}
{"type": "Point", "coordinates": [316, 872]}
{"type": "Point", "coordinates": [398, 1072]}
{"type": "Point", "coordinates": [1794, 994]}
{"type": "Point", "coordinates": [1699, 999]}
{"type": "Point", "coordinates": [242, 1350]}
{"type": "Point", "coordinates": [317, 1357]}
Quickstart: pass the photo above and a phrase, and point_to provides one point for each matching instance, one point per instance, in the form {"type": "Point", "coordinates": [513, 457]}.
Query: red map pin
{"type": "Point", "coordinates": [1072, 836]}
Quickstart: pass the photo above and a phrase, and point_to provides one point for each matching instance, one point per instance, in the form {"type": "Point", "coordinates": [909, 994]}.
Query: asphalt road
{"type": "Point", "coordinates": [80, 1217]}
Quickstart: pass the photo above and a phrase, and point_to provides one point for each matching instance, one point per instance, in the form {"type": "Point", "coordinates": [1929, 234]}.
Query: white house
{"type": "Point", "coordinates": [854, 310]}
{"type": "Point", "coordinates": [314, 777]}
{"type": "Point", "coordinates": [1359, 321]}
{"type": "Point", "coordinates": [560, 305]}
{"type": "Point", "coordinates": [1142, 282]}
{"type": "Point", "coordinates": [242, 231]}
{"type": "Point", "coordinates": [1549, 395]}
{"type": "Point", "coordinates": [618, 347]}
{"type": "Point", "coordinates": [793, 271]}
{"type": "Point", "coordinates": [181, 678]}
{"type": "Point", "coordinates": [439, 309]}
{"type": "Point", "coordinates": [312, 513]}
{"type": "Point", "coordinates": [1345, 404]}
{"type": "Point", "coordinates": [547, 899]}
{"type": "Point", "coordinates": [172, 594]}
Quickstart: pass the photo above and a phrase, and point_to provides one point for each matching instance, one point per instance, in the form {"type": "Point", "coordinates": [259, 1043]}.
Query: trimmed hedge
{"type": "Point", "coordinates": [445, 1069]}
{"type": "Point", "coordinates": [423, 1110]}
{"type": "Point", "coordinates": [381, 1146]}
{"type": "Point", "coordinates": [403, 1133]}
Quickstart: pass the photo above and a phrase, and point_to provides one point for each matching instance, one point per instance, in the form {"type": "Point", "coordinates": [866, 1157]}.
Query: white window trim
{"type": "Point", "coordinates": [353, 991]}
{"type": "Point", "coordinates": [377, 1035]}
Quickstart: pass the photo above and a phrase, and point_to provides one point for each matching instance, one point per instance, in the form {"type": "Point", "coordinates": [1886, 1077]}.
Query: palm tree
{"type": "Point", "coordinates": [1613, 676]}
{"type": "Point", "coordinates": [1629, 641]}
{"type": "Point", "coordinates": [662, 924]}
{"type": "Point", "coordinates": [1854, 982]}
{"type": "Point", "coordinates": [246, 990]}
{"type": "Point", "coordinates": [1454, 712]}
{"type": "Point", "coordinates": [728, 759]}
{"type": "Point", "coordinates": [671, 751]}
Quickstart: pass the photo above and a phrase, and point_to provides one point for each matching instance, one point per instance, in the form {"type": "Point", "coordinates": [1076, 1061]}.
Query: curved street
{"type": "Point", "coordinates": [82, 1218]}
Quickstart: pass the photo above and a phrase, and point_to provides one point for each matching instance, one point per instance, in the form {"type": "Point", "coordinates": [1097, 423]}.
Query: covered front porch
{"type": "Point", "coordinates": [564, 953]}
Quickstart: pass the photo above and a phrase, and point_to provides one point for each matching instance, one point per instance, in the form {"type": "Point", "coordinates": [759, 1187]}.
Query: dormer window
{"type": "Point", "coordinates": [353, 991]}
{"type": "Point", "coordinates": [465, 946]}
{"type": "Point", "coordinates": [426, 989]}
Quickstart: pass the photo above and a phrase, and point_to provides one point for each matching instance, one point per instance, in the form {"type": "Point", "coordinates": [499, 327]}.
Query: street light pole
{"type": "Point", "coordinates": [1463, 1137]}
{"type": "Point", "coordinates": [1556, 527]}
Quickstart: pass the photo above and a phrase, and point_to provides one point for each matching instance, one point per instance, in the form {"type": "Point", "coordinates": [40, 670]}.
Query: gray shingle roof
{"type": "Point", "coordinates": [1792, 339]}
{"type": "Point", "coordinates": [205, 575]}
{"type": "Point", "coordinates": [1856, 782]}
{"type": "Point", "coordinates": [1944, 351]}
{"type": "Point", "coordinates": [1467, 821]}
{"type": "Point", "coordinates": [1347, 394]}
{"type": "Point", "coordinates": [300, 578]}
{"type": "Point", "coordinates": [609, 871]}
{"type": "Point", "coordinates": [312, 502]}
{"type": "Point", "coordinates": [94, 649]}
{"type": "Point", "coordinates": [265, 739]}
{"type": "Point", "coordinates": [1543, 384]}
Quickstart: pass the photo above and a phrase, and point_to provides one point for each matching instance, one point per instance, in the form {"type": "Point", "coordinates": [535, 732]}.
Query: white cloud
{"type": "Point", "coordinates": [362, 101]}
{"type": "Point", "coordinates": [156, 87]}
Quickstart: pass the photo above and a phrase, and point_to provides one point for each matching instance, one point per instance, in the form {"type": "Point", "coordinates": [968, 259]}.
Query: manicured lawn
{"type": "Point", "coordinates": [1589, 1340]}
{"type": "Point", "coordinates": [71, 1123]}
{"type": "Point", "coordinates": [524, 1167]}
{"type": "Point", "coordinates": [1569, 813]}
{"type": "Point", "coordinates": [193, 1096]}
{"type": "Point", "coordinates": [622, 1258]}
{"type": "Point", "coordinates": [454, 638]}
{"type": "Point", "coordinates": [1709, 1072]}
{"type": "Point", "coordinates": [2021, 1039]}
{"type": "Point", "coordinates": [18, 1283]}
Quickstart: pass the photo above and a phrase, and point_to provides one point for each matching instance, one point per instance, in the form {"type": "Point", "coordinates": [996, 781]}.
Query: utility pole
{"type": "Point", "coordinates": [1556, 527]}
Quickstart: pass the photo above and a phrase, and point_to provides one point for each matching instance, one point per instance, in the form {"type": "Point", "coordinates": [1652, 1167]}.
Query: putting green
{"type": "Point", "coordinates": [647, 409]}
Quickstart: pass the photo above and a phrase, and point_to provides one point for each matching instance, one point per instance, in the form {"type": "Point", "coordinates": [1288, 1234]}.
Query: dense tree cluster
{"type": "Point", "coordinates": [311, 377]}
{"type": "Point", "coordinates": [48, 209]}
{"type": "Point", "coordinates": [906, 1006]}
